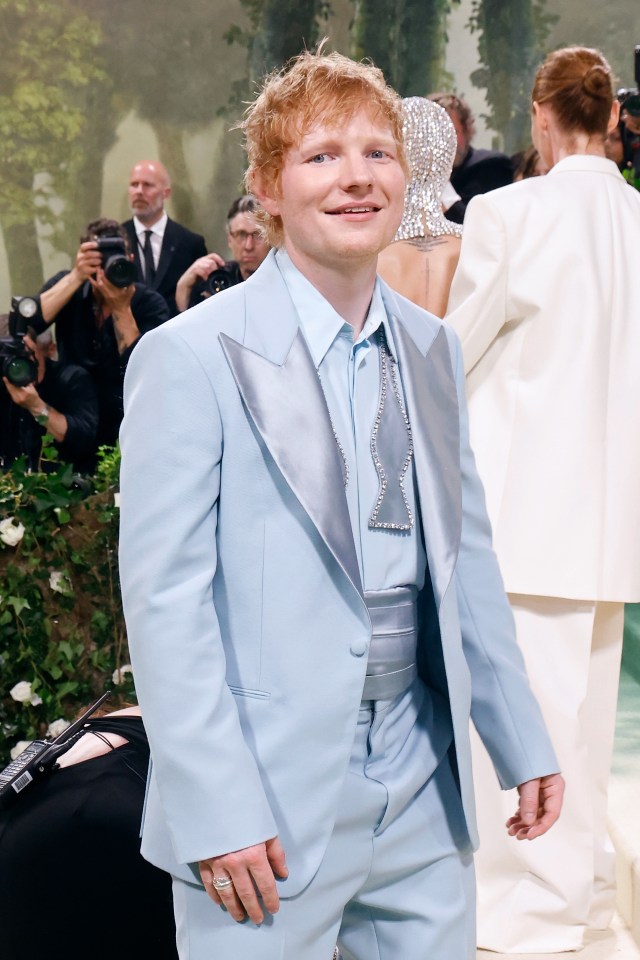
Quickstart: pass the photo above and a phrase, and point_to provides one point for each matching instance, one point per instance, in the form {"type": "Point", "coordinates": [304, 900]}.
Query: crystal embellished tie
{"type": "Point", "coordinates": [391, 448]}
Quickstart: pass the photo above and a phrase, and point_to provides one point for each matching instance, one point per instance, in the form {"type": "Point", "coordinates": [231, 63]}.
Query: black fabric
{"type": "Point", "coordinates": [73, 884]}
{"type": "Point", "coordinates": [201, 288]}
{"type": "Point", "coordinates": [479, 172]}
{"type": "Point", "coordinates": [83, 342]}
{"type": "Point", "coordinates": [69, 390]}
{"type": "Point", "coordinates": [180, 247]}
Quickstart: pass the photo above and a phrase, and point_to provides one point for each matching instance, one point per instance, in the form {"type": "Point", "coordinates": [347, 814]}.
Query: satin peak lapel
{"type": "Point", "coordinates": [432, 404]}
{"type": "Point", "coordinates": [288, 407]}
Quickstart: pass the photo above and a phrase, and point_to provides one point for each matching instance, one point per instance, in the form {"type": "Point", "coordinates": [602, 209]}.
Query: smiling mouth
{"type": "Point", "coordinates": [359, 209]}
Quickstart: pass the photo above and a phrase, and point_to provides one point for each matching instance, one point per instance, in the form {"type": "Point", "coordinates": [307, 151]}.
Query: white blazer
{"type": "Point", "coordinates": [546, 300]}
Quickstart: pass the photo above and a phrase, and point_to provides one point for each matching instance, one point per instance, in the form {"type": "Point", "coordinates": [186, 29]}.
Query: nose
{"type": "Point", "coordinates": [356, 171]}
{"type": "Point", "coordinates": [250, 241]}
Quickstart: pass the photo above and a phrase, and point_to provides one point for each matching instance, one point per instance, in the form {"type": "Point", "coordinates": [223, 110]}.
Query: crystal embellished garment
{"type": "Point", "coordinates": [351, 375]}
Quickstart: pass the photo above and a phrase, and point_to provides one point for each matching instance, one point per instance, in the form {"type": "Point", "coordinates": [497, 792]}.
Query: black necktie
{"type": "Point", "coordinates": [149, 266]}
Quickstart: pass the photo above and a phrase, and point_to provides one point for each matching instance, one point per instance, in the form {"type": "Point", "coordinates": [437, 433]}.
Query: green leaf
{"type": "Point", "coordinates": [65, 647]}
{"type": "Point", "coordinates": [19, 604]}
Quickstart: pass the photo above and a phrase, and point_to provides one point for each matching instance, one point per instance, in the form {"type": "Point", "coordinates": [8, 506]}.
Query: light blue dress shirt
{"type": "Point", "coordinates": [350, 375]}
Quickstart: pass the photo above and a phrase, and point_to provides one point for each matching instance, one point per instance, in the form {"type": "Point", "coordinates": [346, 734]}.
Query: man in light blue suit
{"type": "Point", "coordinates": [313, 606]}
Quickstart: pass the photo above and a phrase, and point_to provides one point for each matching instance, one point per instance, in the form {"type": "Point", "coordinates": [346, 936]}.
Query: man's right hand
{"type": "Point", "coordinates": [88, 259]}
{"type": "Point", "coordinates": [203, 266]}
{"type": "Point", "coordinates": [253, 871]}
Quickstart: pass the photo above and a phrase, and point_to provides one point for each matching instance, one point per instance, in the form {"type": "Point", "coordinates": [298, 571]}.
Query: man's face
{"type": "Point", "coordinates": [148, 190]}
{"type": "Point", "coordinates": [341, 193]}
{"type": "Point", "coordinates": [246, 243]}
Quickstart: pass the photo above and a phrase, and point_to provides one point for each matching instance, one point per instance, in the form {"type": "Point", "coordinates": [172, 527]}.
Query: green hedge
{"type": "Point", "coordinates": [62, 634]}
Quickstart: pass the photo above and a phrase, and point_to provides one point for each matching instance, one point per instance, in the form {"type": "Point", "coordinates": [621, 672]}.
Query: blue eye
{"type": "Point", "coordinates": [319, 158]}
{"type": "Point", "coordinates": [378, 154]}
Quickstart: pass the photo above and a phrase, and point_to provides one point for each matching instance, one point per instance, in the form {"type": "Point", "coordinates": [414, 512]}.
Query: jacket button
{"type": "Point", "coordinates": [358, 648]}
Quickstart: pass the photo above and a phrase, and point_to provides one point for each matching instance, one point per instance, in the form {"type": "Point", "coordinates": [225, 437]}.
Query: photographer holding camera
{"type": "Point", "coordinates": [210, 274]}
{"type": "Point", "coordinates": [628, 148]}
{"type": "Point", "coordinates": [41, 396]}
{"type": "Point", "coordinates": [100, 313]}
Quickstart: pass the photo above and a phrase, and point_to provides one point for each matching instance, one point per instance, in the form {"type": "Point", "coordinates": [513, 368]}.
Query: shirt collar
{"type": "Point", "coordinates": [158, 227]}
{"type": "Point", "coordinates": [320, 322]}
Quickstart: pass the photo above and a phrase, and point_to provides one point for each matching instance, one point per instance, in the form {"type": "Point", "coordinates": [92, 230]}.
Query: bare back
{"type": "Point", "coordinates": [421, 269]}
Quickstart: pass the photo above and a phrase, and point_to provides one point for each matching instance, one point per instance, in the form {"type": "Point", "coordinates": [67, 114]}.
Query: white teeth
{"type": "Point", "coordinates": [358, 210]}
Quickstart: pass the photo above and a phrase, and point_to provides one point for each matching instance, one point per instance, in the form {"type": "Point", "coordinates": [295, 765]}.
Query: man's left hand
{"type": "Point", "coordinates": [26, 397]}
{"type": "Point", "coordinates": [116, 299]}
{"type": "Point", "coordinates": [539, 807]}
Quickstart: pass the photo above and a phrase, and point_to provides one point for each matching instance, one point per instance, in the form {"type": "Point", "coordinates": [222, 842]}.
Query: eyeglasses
{"type": "Point", "coordinates": [243, 235]}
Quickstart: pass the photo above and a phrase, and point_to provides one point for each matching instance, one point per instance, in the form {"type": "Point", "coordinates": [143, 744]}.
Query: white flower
{"type": "Point", "coordinates": [21, 692]}
{"type": "Point", "coordinates": [57, 727]}
{"type": "Point", "coordinates": [116, 500]}
{"type": "Point", "coordinates": [119, 674]}
{"type": "Point", "coordinates": [19, 747]}
{"type": "Point", "coordinates": [11, 533]}
{"type": "Point", "coordinates": [59, 582]}
{"type": "Point", "coordinates": [35, 700]}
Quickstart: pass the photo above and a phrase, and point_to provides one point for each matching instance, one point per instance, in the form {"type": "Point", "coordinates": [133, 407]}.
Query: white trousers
{"type": "Point", "coordinates": [541, 896]}
{"type": "Point", "coordinates": [396, 881]}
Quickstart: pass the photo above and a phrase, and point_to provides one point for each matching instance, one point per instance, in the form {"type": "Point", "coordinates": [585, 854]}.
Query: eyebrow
{"type": "Point", "coordinates": [332, 139]}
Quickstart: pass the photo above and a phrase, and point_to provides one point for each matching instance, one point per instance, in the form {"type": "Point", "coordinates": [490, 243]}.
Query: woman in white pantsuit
{"type": "Point", "coordinates": [546, 300]}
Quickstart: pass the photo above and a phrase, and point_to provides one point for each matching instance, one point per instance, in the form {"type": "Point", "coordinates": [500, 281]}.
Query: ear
{"type": "Point", "coordinates": [265, 193]}
{"type": "Point", "coordinates": [614, 117]}
{"type": "Point", "coordinates": [539, 113]}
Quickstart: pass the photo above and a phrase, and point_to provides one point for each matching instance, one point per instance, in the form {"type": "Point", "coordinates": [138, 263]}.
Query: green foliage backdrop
{"type": "Point", "coordinates": [75, 73]}
{"type": "Point", "coordinates": [61, 625]}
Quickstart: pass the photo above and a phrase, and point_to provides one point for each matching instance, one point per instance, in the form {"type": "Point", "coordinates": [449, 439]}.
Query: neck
{"type": "Point", "coordinates": [568, 145]}
{"type": "Point", "coordinates": [348, 288]}
{"type": "Point", "coordinates": [149, 219]}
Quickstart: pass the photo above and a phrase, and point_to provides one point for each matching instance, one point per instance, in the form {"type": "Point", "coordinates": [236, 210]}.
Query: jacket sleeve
{"type": "Point", "coordinates": [172, 439]}
{"type": "Point", "coordinates": [478, 298]}
{"type": "Point", "coordinates": [504, 710]}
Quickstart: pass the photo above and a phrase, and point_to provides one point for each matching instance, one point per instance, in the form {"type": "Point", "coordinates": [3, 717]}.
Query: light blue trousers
{"type": "Point", "coordinates": [397, 880]}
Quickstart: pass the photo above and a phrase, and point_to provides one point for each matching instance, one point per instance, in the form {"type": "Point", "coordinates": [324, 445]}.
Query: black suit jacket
{"type": "Point", "coordinates": [180, 247]}
{"type": "Point", "coordinates": [479, 172]}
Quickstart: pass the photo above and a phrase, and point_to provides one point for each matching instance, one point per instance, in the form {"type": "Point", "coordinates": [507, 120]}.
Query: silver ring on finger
{"type": "Point", "coordinates": [222, 883]}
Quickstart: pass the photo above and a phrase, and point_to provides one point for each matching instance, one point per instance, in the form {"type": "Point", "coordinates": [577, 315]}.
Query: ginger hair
{"type": "Point", "coordinates": [312, 88]}
{"type": "Point", "coordinates": [577, 83]}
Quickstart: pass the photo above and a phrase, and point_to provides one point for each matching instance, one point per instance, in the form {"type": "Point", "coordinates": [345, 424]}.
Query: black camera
{"type": "Point", "coordinates": [219, 280]}
{"type": "Point", "coordinates": [17, 362]}
{"type": "Point", "coordinates": [118, 268]}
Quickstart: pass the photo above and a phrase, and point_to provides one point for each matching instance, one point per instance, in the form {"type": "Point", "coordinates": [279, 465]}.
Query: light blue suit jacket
{"type": "Point", "coordinates": [245, 616]}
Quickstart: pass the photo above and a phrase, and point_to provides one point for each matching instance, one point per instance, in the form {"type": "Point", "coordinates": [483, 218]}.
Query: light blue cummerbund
{"type": "Point", "coordinates": [391, 667]}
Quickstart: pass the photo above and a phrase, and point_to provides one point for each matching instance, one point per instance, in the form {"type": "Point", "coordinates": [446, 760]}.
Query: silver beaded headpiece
{"type": "Point", "coordinates": [430, 145]}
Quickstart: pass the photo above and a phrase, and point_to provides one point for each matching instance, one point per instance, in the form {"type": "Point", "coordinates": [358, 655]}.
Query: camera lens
{"type": "Point", "coordinates": [120, 271]}
{"type": "Point", "coordinates": [219, 280]}
{"type": "Point", "coordinates": [20, 371]}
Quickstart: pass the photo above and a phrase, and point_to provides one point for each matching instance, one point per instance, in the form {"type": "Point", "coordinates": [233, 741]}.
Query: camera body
{"type": "Point", "coordinates": [118, 268]}
{"type": "Point", "coordinates": [17, 362]}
